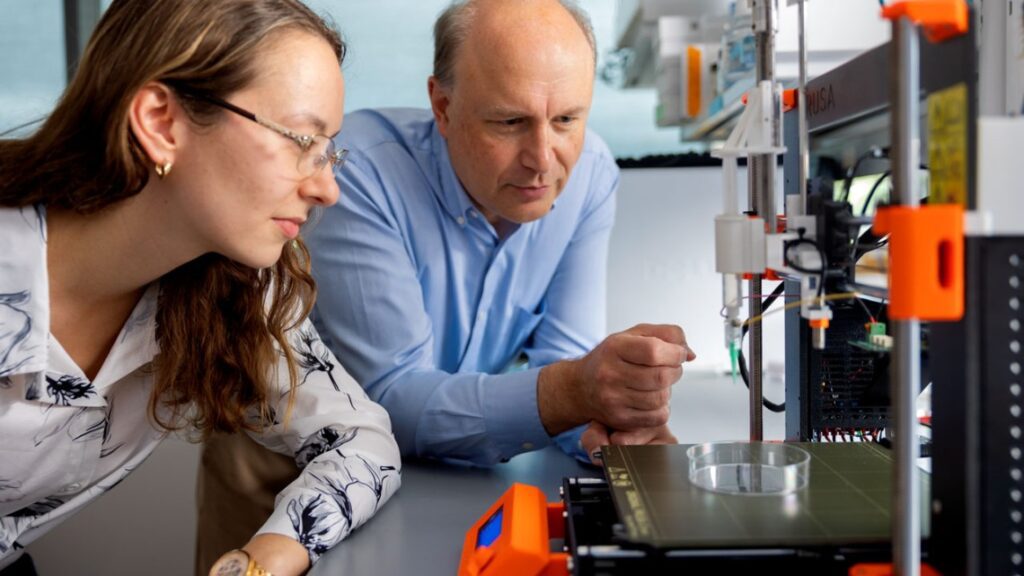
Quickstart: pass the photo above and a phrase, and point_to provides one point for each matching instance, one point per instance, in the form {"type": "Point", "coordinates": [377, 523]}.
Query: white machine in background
{"type": "Point", "coordinates": [700, 54]}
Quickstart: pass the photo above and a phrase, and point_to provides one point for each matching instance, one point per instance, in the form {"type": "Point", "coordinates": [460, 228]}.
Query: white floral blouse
{"type": "Point", "coordinates": [65, 439]}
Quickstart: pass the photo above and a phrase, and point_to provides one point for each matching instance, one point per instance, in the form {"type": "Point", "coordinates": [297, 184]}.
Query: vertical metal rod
{"type": "Point", "coordinates": [906, 365]}
{"type": "Point", "coordinates": [756, 361]}
{"type": "Point", "coordinates": [802, 111]}
{"type": "Point", "coordinates": [762, 202]}
{"type": "Point", "coordinates": [763, 165]}
{"type": "Point", "coordinates": [993, 79]}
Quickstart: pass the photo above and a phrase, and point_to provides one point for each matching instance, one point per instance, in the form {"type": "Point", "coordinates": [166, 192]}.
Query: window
{"type": "Point", "coordinates": [390, 58]}
{"type": "Point", "coordinates": [32, 61]}
{"type": "Point", "coordinates": [392, 54]}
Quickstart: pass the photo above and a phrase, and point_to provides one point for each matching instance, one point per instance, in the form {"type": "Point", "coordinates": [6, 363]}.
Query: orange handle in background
{"type": "Point", "coordinates": [885, 570]}
{"type": "Point", "coordinates": [694, 57]}
{"type": "Point", "coordinates": [940, 19]}
{"type": "Point", "coordinates": [926, 261]}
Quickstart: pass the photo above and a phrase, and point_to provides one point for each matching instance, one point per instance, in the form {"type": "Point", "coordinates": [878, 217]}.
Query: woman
{"type": "Point", "coordinates": [152, 277]}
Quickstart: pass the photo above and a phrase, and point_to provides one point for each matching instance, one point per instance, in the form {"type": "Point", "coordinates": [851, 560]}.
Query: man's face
{"type": "Point", "coordinates": [515, 118]}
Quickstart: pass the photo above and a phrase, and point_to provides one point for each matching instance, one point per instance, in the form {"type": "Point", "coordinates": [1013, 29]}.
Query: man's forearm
{"type": "Point", "coordinates": [558, 397]}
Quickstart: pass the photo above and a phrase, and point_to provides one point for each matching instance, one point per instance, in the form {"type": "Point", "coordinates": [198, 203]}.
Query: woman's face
{"type": "Point", "coordinates": [242, 191]}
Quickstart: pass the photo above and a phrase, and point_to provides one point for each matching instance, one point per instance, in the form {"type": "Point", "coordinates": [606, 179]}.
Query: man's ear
{"type": "Point", "coordinates": [440, 100]}
{"type": "Point", "coordinates": [155, 119]}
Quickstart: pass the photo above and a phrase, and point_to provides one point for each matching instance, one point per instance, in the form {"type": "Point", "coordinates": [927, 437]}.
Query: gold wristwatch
{"type": "Point", "coordinates": [237, 563]}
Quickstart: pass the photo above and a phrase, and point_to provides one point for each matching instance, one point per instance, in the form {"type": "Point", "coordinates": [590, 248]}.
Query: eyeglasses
{"type": "Point", "coordinates": [317, 150]}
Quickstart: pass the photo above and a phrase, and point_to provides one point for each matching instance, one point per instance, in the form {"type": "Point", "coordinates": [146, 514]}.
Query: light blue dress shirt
{"type": "Point", "coordinates": [428, 307]}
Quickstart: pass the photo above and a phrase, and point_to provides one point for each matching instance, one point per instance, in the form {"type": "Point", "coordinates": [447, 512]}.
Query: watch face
{"type": "Point", "coordinates": [233, 563]}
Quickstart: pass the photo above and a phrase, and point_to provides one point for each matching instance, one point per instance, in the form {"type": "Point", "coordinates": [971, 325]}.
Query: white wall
{"type": "Point", "coordinates": [662, 263]}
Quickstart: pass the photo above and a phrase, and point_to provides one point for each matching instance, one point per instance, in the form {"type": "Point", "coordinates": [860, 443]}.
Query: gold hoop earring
{"type": "Point", "coordinates": [164, 169]}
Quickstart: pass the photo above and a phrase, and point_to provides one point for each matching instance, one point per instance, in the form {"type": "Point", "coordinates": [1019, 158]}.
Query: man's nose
{"type": "Point", "coordinates": [537, 154]}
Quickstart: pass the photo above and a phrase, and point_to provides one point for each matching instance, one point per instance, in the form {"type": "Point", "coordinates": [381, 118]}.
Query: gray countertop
{"type": "Point", "coordinates": [421, 529]}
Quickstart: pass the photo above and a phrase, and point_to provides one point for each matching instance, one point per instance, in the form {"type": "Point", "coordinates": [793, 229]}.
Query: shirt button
{"type": "Point", "coordinates": [472, 213]}
{"type": "Point", "coordinates": [461, 221]}
{"type": "Point", "coordinates": [527, 445]}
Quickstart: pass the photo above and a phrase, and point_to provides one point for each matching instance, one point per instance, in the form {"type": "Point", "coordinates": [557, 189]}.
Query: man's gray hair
{"type": "Point", "coordinates": [452, 28]}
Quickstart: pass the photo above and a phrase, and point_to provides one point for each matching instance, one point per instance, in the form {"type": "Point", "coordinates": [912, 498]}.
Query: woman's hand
{"type": "Point", "coordinates": [277, 554]}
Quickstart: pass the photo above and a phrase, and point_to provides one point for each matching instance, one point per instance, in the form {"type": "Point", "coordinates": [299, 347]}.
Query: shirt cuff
{"type": "Point", "coordinates": [569, 442]}
{"type": "Point", "coordinates": [281, 524]}
{"type": "Point", "coordinates": [511, 413]}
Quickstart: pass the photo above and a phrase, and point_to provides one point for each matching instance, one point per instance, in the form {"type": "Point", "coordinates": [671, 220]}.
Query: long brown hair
{"type": "Point", "coordinates": [220, 325]}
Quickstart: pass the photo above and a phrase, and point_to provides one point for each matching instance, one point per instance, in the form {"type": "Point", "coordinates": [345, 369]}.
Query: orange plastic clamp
{"type": "Point", "coordinates": [694, 57]}
{"type": "Point", "coordinates": [818, 323]}
{"type": "Point", "coordinates": [926, 261]}
{"type": "Point", "coordinates": [522, 546]}
{"type": "Point", "coordinates": [788, 99]}
{"type": "Point", "coordinates": [886, 570]}
{"type": "Point", "coordinates": [941, 19]}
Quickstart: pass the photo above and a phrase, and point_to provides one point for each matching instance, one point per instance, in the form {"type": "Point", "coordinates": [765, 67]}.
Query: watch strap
{"type": "Point", "coordinates": [255, 569]}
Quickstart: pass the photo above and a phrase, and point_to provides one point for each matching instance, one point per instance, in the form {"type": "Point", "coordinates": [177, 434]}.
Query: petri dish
{"type": "Point", "coordinates": [749, 468]}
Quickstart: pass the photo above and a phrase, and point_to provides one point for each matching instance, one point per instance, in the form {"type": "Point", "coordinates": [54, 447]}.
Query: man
{"type": "Point", "coordinates": [479, 232]}
{"type": "Point", "coordinates": [466, 237]}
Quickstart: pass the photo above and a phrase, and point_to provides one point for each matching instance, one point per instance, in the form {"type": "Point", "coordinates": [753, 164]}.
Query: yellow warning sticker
{"type": "Point", "coordinates": [947, 145]}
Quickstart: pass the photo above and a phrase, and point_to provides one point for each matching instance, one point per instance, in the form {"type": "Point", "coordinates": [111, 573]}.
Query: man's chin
{"type": "Point", "coordinates": [528, 213]}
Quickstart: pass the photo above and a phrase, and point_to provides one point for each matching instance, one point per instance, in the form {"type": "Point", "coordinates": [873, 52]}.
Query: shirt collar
{"type": "Point", "coordinates": [452, 195]}
{"type": "Point", "coordinates": [25, 317]}
{"type": "Point", "coordinates": [136, 344]}
{"type": "Point", "coordinates": [24, 291]}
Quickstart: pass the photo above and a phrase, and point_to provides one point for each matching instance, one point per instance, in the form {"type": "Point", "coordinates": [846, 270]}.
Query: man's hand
{"type": "Point", "coordinates": [597, 435]}
{"type": "Point", "coordinates": [594, 437]}
{"type": "Point", "coordinates": [644, 436]}
{"type": "Point", "coordinates": [625, 382]}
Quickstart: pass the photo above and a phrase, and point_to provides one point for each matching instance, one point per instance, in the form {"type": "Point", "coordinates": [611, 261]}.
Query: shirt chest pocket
{"type": "Point", "coordinates": [493, 350]}
{"type": "Point", "coordinates": [524, 323]}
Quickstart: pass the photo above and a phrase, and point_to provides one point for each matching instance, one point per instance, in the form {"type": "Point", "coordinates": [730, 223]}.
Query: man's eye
{"type": "Point", "coordinates": [510, 122]}
{"type": "Point", "coordinates": [565, 119]}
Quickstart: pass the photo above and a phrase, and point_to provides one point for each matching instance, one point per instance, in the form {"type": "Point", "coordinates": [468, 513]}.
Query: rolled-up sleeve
{"type": "Point", "coordinates": [340, 438]}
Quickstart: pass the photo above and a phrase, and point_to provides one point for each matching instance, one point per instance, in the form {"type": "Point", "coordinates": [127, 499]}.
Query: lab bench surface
{"type": "Point", "coordinates": [421, 529]}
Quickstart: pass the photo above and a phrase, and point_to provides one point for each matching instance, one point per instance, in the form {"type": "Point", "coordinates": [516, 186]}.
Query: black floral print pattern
{"type": "Point", "coordinates": [325, 440]}
{"type": "Point", "coordinates": [314, 357]}
{"type": "Point", "coordinates": [320, 521]}
{"type": "Point", "coordinates": [318, 526]}
{"type": "Point", "coordinates": [66, 388]}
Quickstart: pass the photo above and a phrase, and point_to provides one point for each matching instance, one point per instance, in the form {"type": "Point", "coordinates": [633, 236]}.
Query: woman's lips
{"type": "Point", "coordinates": [290, 227]}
